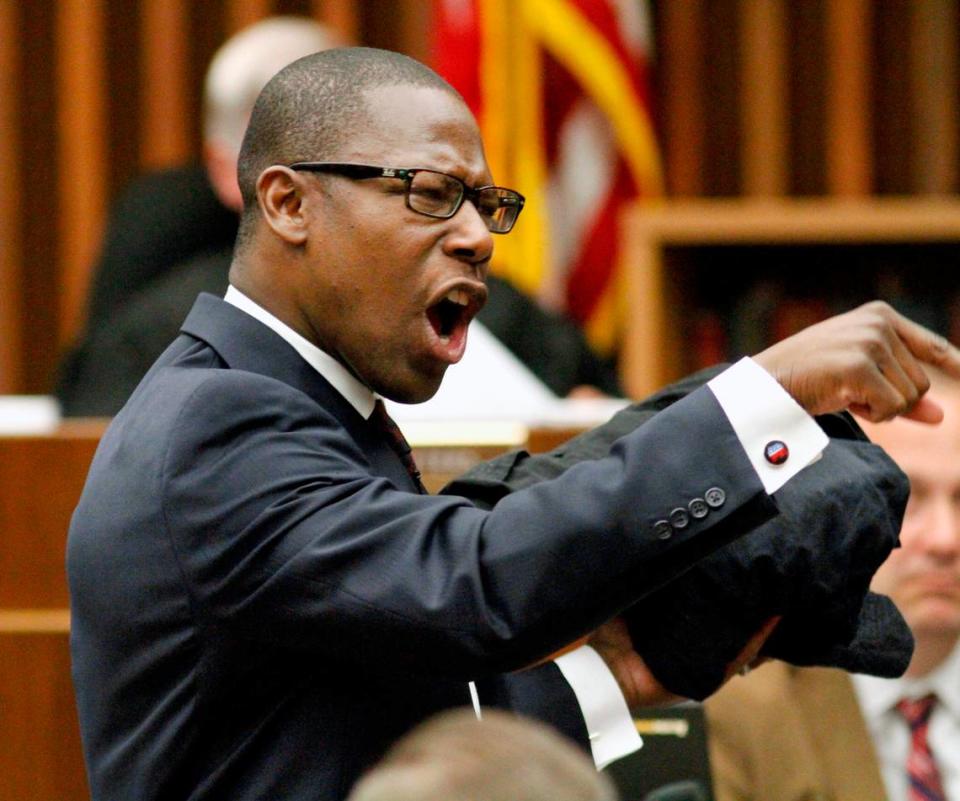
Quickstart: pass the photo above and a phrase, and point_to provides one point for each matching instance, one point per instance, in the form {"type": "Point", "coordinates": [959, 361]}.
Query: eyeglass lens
{"type": "Point", "coordinates": [439, 195]}
{"type": "Point", "coordinates": [434, 193]}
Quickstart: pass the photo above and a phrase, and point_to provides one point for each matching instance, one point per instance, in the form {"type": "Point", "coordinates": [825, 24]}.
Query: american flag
{"type": "Point", "coordinates": [560, 88]}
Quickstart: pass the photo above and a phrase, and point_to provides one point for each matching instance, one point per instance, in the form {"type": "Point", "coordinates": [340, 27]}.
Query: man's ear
{"type": "Point", "coordinates": [280, 195]}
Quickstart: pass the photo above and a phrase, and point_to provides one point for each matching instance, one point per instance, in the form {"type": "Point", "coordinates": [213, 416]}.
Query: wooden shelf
{"type": "Point", "coordinates": [655, 340]}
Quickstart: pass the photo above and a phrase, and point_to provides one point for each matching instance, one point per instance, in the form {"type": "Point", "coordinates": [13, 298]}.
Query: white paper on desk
{"type": "Point", "coordinates": [491, 384]}
{"type": "Point", "coordinates": [28, 414]}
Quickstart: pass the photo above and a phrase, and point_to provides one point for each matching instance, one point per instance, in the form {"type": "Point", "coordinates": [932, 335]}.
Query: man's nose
{"type": "Point", "coordinates": [470, 240]}
{"type": "Point", "coordinates": [941, 529]}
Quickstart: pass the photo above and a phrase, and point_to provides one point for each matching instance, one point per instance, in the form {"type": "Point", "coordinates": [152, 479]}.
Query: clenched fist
{"type": "Point", "coordinates": [868, 361]}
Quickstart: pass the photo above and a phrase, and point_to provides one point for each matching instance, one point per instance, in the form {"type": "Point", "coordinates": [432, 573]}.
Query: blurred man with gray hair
{"type": "Point", "coordinates": [170, 234]}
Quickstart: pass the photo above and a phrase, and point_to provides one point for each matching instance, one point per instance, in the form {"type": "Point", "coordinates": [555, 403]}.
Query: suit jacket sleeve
{"type": "Point", "coordinates": [489, 483]}
{"type": "Point", "coordinates": [316, 550]}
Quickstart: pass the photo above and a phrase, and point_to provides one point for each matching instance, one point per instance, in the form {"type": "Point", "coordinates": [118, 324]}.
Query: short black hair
{"type": "Point", "coordinates": [309, 108]}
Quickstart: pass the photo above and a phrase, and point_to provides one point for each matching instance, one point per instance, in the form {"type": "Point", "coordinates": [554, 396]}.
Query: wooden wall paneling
{"type": "Point", "coordinates": [40, 481]}
{"type": "Point", "coordinates": [42, 477]}
{"type": "Point", "coordinates": [207, 29]}
{"type": "Point", "coordinates": [807, 97]}
{"type": "Point", "coordinates": [933, 80]}
{"type": "Point", "coordinates": [414, 21]}
{"type": "Point", "coordinates": [81, 143]}
{"type": "Point", "coordinates": [722, 98]}
{"type": "Point", "coordinates": [124, 50]}
{"type": "Point", "coordinates": [891, 101]}
{"type": "Point", "coordinates": [763, 104]}
{"type": "Point", "coordinates": [11, 261]}
{"type": "Point", "coordinates": [401, 25]}
{"type": "Point", "coordinates": [40, 753]}
{"type": "Point", "coordinates": [679, 67]}
{"type": "Point", "coordinates": [341, 15]}
{"type": "Point", "coordinates": [848, 141]}
{"type": "Point", "coordinates": [39, 191]}
{"type": "Point", "coordinates": [165, 133]}
{"type": "Point", "coordinates": [299, 8]}
{"type": "Point", "coordinates": [241, 13]}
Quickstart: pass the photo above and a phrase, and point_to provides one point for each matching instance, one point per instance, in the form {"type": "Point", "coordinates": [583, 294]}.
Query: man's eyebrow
{"type": "Point", "coordinates": [466, 173]}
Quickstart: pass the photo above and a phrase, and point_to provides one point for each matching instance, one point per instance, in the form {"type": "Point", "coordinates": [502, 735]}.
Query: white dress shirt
{"type": "Point", "coordinates": [891, 733]}
{"type": "Point", "coordinates": [759, 410]}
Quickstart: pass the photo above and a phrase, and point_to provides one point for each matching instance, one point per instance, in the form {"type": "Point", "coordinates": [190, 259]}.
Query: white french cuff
{"type": "Point", "coordinates": [761, 411]}
{"type": "Point", "coordinates": [609, 723]}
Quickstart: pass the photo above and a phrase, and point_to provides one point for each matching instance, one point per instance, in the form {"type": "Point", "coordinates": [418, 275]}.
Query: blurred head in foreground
{"type": "Point", "coordinates": [455, 757]}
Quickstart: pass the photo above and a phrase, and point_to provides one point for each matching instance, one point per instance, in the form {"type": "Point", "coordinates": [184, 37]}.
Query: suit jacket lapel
{"type": "Point", "coordinates": [247, 344]}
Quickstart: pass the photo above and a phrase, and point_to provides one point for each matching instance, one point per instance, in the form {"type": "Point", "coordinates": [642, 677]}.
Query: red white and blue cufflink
{"type": "Point", "coordinates": [776, 452]}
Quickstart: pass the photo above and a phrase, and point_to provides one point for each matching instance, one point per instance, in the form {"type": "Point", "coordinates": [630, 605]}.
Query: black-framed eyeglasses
{"type": "Point", "coordinates": [434, 193]}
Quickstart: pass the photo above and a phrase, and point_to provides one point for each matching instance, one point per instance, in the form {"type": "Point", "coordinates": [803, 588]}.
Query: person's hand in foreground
{"type": "Point", "coordinates": [639, 686]}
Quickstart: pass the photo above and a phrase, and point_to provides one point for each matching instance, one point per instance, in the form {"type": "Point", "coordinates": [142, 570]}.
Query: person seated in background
{"type": "Point", "coordinates": [170, 234]}
{"type": "Point", "coordinates": [501, 757]}
{"type": "Point", "coordinates": [170, 237]}
{"type": "Point", "coordinates": [790, 734]}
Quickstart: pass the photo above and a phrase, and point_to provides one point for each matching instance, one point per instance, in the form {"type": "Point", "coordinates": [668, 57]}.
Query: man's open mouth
{"type": "Point", "coordinates": [451, 315]}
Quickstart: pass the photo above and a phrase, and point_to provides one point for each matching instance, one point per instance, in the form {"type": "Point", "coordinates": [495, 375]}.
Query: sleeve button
{"type": "Point", "coordinates": [698, 508]}
{"type": "Point", "coordinates": [663, 529]}
{"type": "Point", "coordinates": [715, 497]}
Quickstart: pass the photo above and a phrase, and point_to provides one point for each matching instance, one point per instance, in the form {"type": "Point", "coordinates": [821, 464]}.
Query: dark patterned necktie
{"type": "Point", "coordinates": [922, 772]}
{"type": "Point", "coordinates": [384, 423]}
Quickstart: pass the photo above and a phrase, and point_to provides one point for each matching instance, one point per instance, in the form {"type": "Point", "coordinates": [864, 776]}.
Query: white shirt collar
{"type": "Point", "coordinates": [355, 392]}
{"type": "Point", "coordinates": [878, 696]}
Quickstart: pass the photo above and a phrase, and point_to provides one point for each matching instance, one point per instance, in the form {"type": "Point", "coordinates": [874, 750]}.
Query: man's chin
{"type": "Point", "coordinates": [934, 617]}
{"type": "Point", "coordinates": [418, 390]}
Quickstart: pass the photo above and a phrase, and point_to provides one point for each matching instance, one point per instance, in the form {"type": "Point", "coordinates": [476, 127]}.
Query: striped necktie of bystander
{"type": "Point", "coordinates": [922, 772]}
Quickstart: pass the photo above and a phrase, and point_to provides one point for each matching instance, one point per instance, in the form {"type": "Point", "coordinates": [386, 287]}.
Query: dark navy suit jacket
{"type": "Point", "coordinates": [262, 604]}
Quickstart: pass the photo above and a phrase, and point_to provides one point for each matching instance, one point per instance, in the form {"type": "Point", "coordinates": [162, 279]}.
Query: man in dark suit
{"type": "Point", "coordinates": [262, 599]}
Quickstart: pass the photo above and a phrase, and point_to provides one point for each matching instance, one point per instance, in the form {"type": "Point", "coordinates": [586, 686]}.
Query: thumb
{"type": "Point", "coordinates": [926, 410]}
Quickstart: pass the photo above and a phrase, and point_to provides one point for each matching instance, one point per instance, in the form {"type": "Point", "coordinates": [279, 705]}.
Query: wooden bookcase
{"type": "Point", "coordinates": [685, 257]}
